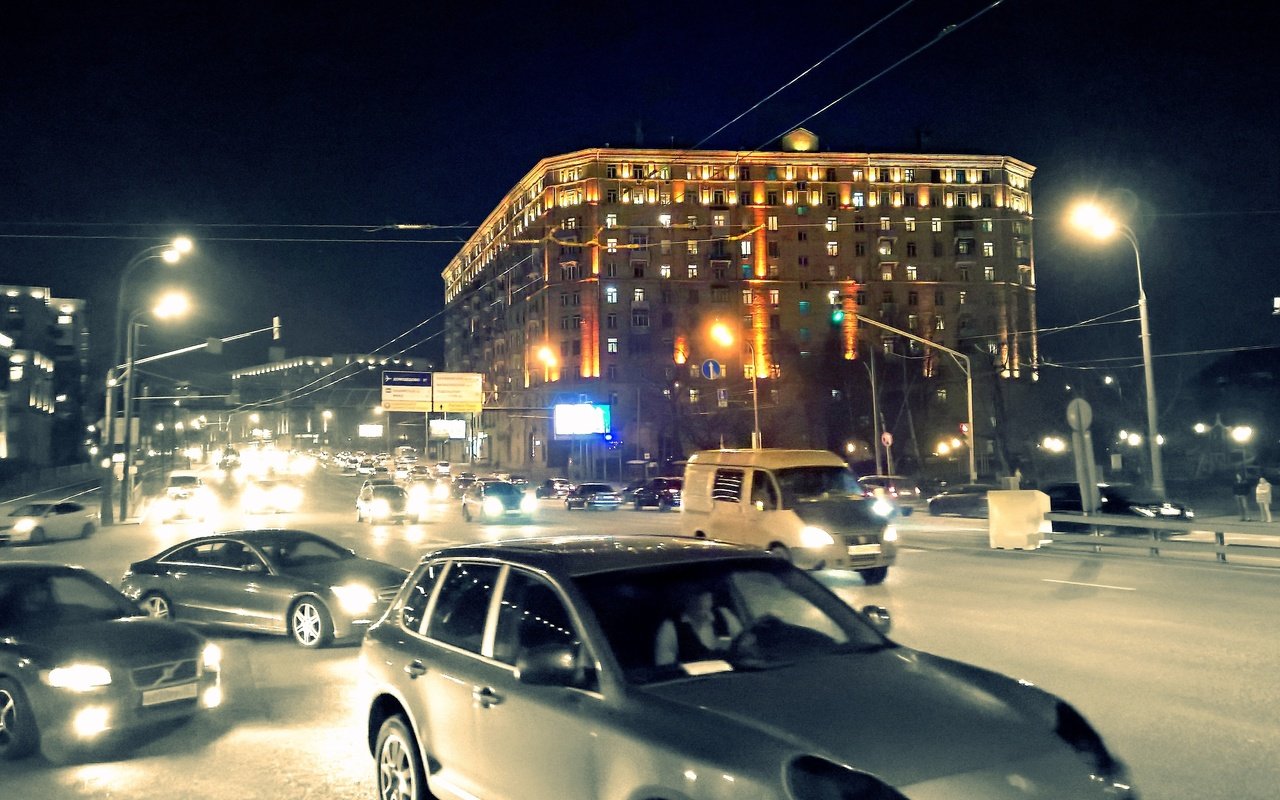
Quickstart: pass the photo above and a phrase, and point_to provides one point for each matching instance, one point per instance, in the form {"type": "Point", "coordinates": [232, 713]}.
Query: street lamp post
{"type": "Point", "coordinates": [170, 253]}
{"type": "Point", "coordinates": [171, 305]}
{"type": "Point", "coordinates": [721, 334]}
{"type": "Point", "coordinates": [1090, 218]}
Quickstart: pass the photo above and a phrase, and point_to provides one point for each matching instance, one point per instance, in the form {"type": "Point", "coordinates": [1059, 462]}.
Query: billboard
{"type": "Point", "coordinates": [370, 432]}
{"type": "Point", "coordinates": [458, 392]}
{"type": "Point", "coordinates": [406, 391]}
{"type": "Point", "coordinates": [447, 429]}
{"type": "Point", "coordinates": [580, 419]}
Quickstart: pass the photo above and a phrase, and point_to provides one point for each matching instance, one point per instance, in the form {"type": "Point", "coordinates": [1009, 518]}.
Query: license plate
{"type": "Point", "coordinates": [169, 694]}
{"type": "Point", "coordinates": [864, 549]}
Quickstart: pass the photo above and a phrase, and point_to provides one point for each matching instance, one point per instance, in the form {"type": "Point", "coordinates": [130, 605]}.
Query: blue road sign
{"type": "Point", "coordinates": [712, 370]}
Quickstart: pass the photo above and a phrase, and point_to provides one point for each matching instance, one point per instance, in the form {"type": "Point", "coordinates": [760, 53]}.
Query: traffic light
{"type": "Point", "coordinates": [837, 316]}
{"type": "Point", "coordinates": [964, 428]}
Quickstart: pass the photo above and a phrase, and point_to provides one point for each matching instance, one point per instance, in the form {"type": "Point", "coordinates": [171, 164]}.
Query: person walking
{"type": "Point", "coordinates": [1241, 489]}
{"type": "Point", "coordinates": [1262, 494]}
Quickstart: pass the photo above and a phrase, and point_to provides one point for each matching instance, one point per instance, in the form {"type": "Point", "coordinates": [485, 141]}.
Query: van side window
{"type": "Point", "coordinates": [764, 496]}
{"type": "Point", "coordinates": [727, 486]}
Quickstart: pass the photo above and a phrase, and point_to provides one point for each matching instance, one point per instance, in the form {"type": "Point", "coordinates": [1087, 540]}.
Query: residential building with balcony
{"type": "Point", "coordinates": [600, 273]}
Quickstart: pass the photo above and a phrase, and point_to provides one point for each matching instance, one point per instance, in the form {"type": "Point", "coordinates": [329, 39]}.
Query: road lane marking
{"type": "Point", "coordinates": [1093, 585]}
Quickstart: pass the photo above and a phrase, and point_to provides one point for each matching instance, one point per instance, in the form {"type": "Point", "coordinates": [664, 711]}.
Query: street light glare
{"type": "Point", "coordinates": [182, 245]}
{"type": "Point", "coordinates": [1093, 220]}
{"type": "Point", "coordinates": [171, 256]}
{"type": "Point", "coordinates": [721, 335]}
{"type": "Point", "coordinates": [173, 304]}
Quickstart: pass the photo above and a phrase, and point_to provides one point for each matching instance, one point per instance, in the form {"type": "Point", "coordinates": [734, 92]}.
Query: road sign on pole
{"type": "Point", "coordinates": [711, 369]}
{"type": "Point", "coordinates": [406, 391]}
{"type": "Point", "coordinates": [458, 392]}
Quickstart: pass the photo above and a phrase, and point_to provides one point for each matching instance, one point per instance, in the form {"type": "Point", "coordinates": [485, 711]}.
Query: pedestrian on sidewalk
{"type": "Point", "coordinates": [1241, 489]}
{"type": "Point", "coordinates": [1262, 494]}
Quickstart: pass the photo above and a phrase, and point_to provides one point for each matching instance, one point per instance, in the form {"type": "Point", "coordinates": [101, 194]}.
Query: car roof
{"type": "Point", "coordinates": [587, 555]}
{"type": "Point", "coordinates": [767, 458]}
{"type": "Point", "coordinates": [39, 568]}
{"type": "Point", "coordinates": [258, 535]}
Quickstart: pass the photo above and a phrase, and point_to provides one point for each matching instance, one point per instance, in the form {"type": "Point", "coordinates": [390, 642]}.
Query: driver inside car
{"type": "Point", "coordinates": [701, 631]}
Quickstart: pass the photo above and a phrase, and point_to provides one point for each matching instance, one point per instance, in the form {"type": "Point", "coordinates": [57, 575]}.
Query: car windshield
{"type": "Point", "coordinates": [303, 550]}
{"type": "Point", "coordinates": [502, 489]}
{"type": "Point", "coordinates": [801, 484]}
{"type": "Point", "coordinates": [667, 483]}
{"type": "Point", "coordinates": [40, 600]}
{"type": "Point", "coordinates": [30, 510]}
{"type": "Point", "coordinates": [183, 481]}
{"type": "Point", "coordinates": [388, 492]}
{"type": "Point", "coordinates": [765, 614]}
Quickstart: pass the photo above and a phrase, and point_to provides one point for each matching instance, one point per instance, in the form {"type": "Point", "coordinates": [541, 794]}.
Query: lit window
{"type": "Point", "coordinates": [611, 220]}
{"type": "Point", "coordinates": [774, 297]}
{"type": "Point", "coordinates": [886, 274]}
{"type": "Point", "coordinates": [986, 226]}
{"type": "Point", "coordinates": [989, 249]}
{"type": "Point", "coordinates": [693, 395]}
{"type": "Point", "coordinates": [989, 273]}
{"type": "Point", "coordinates": [833, 248]}
{"type": "Point", "coordinates": [746, 297]}
{"type": "Point", "coordinates": [64, 319]}
{"type": "Point", "coordinates": [886, 247]}
{"type": "Point", "coordinates": [611, 345]}
{"type": "Point", "coordinates": [664, 220]}
{"type": "Point", "coordinates": [962, 297]}
{"type": "Point", "coordinates": [611, 294]}
{"type": "Point", "coordinates": [637, 295]}
{"type": "Point", "coordinates": [717, 219]}
{"type": "Point", "coordinates": [832, 223]}
{"type": "Point", "coordinates": [941, 394]}
{"type": "Point", "coordinates": [611, 245]}
{"type": "Point", "coordinates": [771, 223]}
{"type": "Point", "coordinates": [935, 225]}
{"type": "Point", "coordinates": [910, 224]}
{"type": "Point", "coordinates": [912, 273]}
{"type": "Point", "coordinates": [665, 270]}
{"type": "Point", "coordinates": [908, 175]}
{"type": "Point", "coordinates": [938, 324]}
{"type": "Point", "coordinates": [913, 322]}
{"type": "Point", "coordinates": [859, 200]}
{"type": "Point", "coordinates": [745, 246]}
{"type": "Point", "coordinates": [886, 224]}
{"type": "Point", "coordinates": [692, 247]}
{"type": "Point", "coordinates": [693, 270]}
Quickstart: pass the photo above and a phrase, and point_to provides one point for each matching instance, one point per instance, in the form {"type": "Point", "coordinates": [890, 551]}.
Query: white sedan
{"type": "Point", "coordinates": [40, 522]}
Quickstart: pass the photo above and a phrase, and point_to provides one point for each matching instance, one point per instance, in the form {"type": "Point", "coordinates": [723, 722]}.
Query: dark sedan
{"type": "Point", "coordinates": [964, 500]}
{"type": "Point", "coordinates": [1116, 498]}
{"type": "Point", "coordinates": [555, 488]}
{"type": "Point", "coordinates": [285, 582]}
{"type": "Point", "coordinates": [593, 496]}
{"type": "Point", "coordinates": [651, 666]}
{"type": "Point", "coordinates": [660, 493]}
{"type": "Point", "coordinates": [79, 662]}
{"type": "Point", "coordinates": [497, 500]}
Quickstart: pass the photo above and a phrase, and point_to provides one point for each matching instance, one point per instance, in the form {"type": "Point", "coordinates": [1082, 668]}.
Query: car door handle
{"type": "Point", "coordinates": [415, 669]}
{"type": "Point", "coordinates": [484, 696]}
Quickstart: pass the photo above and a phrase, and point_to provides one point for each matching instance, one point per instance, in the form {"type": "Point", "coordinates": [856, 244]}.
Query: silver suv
{"type": "Point", "coordinates": [665, 667]}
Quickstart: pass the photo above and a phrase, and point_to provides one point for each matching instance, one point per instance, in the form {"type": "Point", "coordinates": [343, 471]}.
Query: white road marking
{"type": "Point", "coordinates": [1093, 585]}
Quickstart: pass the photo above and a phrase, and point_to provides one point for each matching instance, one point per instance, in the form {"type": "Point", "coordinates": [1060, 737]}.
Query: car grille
{"type": "Point", "coordinates": [169, 672]}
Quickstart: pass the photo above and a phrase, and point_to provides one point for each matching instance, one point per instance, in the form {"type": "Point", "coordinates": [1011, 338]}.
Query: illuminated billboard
{"type": "Point", "coordinates": [370, 432]}
{"type": "Point", "coordinates": [580, 419]}
{"type": "Point", "coordinates": [448, 428]}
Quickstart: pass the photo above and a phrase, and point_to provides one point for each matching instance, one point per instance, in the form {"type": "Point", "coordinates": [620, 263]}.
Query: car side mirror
{"type": "Point", "coordinates": [547, 665]}
{"type": "Point", "coordinates": [252, 567]}
{"type": "Point", "coordinates": [879, 617]}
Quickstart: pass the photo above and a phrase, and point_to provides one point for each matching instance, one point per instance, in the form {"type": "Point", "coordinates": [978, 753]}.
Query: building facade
{"type": "Point", "coordinates": [600, 276]}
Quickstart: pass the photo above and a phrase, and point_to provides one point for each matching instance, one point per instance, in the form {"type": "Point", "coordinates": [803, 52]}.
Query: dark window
{"type": "Point", "coordinates": [415, 605]}
{"type": "Point", "coordinates": [463, 605]}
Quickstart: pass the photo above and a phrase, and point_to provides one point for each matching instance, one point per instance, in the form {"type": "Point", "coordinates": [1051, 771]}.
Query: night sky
{"type": "Point", "coordinates": [282, 136]}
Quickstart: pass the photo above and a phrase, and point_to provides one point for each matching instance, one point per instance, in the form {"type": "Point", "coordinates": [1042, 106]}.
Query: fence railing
{"type": "Point", "coordinates": [47, 479]}
{"type": "Point", "coordinates": [1222, 539]}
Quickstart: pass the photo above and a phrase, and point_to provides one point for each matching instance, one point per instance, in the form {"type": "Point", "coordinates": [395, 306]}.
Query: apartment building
{"type": "Point", "coordinates": [600, 275]}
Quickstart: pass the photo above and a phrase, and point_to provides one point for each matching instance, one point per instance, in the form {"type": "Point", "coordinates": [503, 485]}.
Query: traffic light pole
{"type": "Point", "coordinates": [961, 360]}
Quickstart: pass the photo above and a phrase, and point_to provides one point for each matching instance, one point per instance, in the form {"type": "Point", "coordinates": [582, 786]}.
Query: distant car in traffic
{"type": "Point", "coordinates": [554, 488]}
{"type": "Point", "coordinates": [386, 502]}
{"type": "Point", "coordinates": [900, 489]}
{"type": "Point", "coordinates": [79, 664]}
{"type": "Point", "coordinates": [593, 497]}
{"type": "Point", "coordinates": [669, 667]}
{"type": "Point", "coordinates": [286, 582]}
{"type": "Point", "coordinates": [497, 500]}
{"type": "Point", "coordinates": [185, 497]}
{"type": "Point", "coordinates": [40, 522]}
{"type": "Point", "coordinates": [266, 496]}
{"type": "Point", "coordinates": [961, 500]}
{"type": "Point", "coordinates": [660, 493]}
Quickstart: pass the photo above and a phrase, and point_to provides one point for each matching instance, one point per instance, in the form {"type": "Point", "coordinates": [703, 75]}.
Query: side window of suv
{"type": "Point", "coordinates": [415, 605]}
{"type": "Point", "coordinates": [532, 615]}
{"type": "Point", "coordinates": [462, 605]}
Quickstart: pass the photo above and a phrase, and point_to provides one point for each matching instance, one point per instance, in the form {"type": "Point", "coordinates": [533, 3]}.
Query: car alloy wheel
{"type": "Point", "coordinates": [18, 734]}
{"type": "Point", "coordinates": [156, 605]}
{"type": "Point", "coordinates": [400, 773]}
{"type": "Point", "coordinates": [309, 623]}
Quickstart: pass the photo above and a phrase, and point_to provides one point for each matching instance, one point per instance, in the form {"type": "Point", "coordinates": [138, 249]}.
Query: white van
{"type": "Point", "coordinates": [804, 505]}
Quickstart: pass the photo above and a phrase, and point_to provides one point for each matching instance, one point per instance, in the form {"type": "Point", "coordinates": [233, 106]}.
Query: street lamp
{"type": "Point", "coordinates": [721, 335]}
{"type": "Point", "coordinates": [170, 253]}
{"type": "Point", "coordinates": [170, 306]}
{"type": "Point", "coordinates": [1095, 221]}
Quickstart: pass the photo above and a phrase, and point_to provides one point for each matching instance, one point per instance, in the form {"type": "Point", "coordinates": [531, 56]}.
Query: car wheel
{"type": "Point", "coordinates": [874, 576]}
{"type": "Point", "coordinates": [156, 605]}
{"type": "Point", "coordinates": [934, 511]}
{"type": "Point", "coordinates": [780, 551]}
{"type": "Point", "coordinates": [400, 772]}
{"type": "Point", "coordinates": [309, 623]}
{"type": "Point", "coordinates": [18, 733]}
{"type": "Point", "coordinates": [87, 530]}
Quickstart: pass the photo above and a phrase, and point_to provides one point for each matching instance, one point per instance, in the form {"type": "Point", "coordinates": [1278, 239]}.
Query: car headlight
{"type": "Point", "coordinates": [528, 504]}
{"type": "Point", "coordinates": [78, 677]}
{"type": "Point", "coordinates": [883, 507]}
{"type": "Point", "coordinates": [24, 525]}
{"type": "Point", "coordinates": [381, 508]}
{"type": "Point", "coordinates": [811, 536]}
{"type": "Point", "coordinates": [890, 534]}
{"type": "Point", "coordinates": [211, 657]}
{"type": "Point", "coordinates": [355, 598]}
{"type": "Point", "coordinates": [442, 491]}
{"type": "Point", "coordinates": [1189, 514]}
{"type": "Point", "coordinates": [492, 506]}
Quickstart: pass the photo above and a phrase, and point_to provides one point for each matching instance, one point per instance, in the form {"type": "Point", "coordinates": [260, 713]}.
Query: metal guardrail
{"type": "Point", "coordinates": [1153, 536]}
{"type": "Point", "coordinates": [47, 480]}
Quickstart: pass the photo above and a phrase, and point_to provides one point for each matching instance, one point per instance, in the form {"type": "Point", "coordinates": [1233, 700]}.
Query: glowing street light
{"type": "Point", "coordinates": [721, 335]}
{"type": "Point", "coordinates": [1242, 434]}
{"type": "Point", "coordinates": [1098, 223]}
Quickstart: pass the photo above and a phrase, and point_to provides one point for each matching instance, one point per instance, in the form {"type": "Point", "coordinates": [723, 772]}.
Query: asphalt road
{"type": "Point", "coordinates": [1174, 661]}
